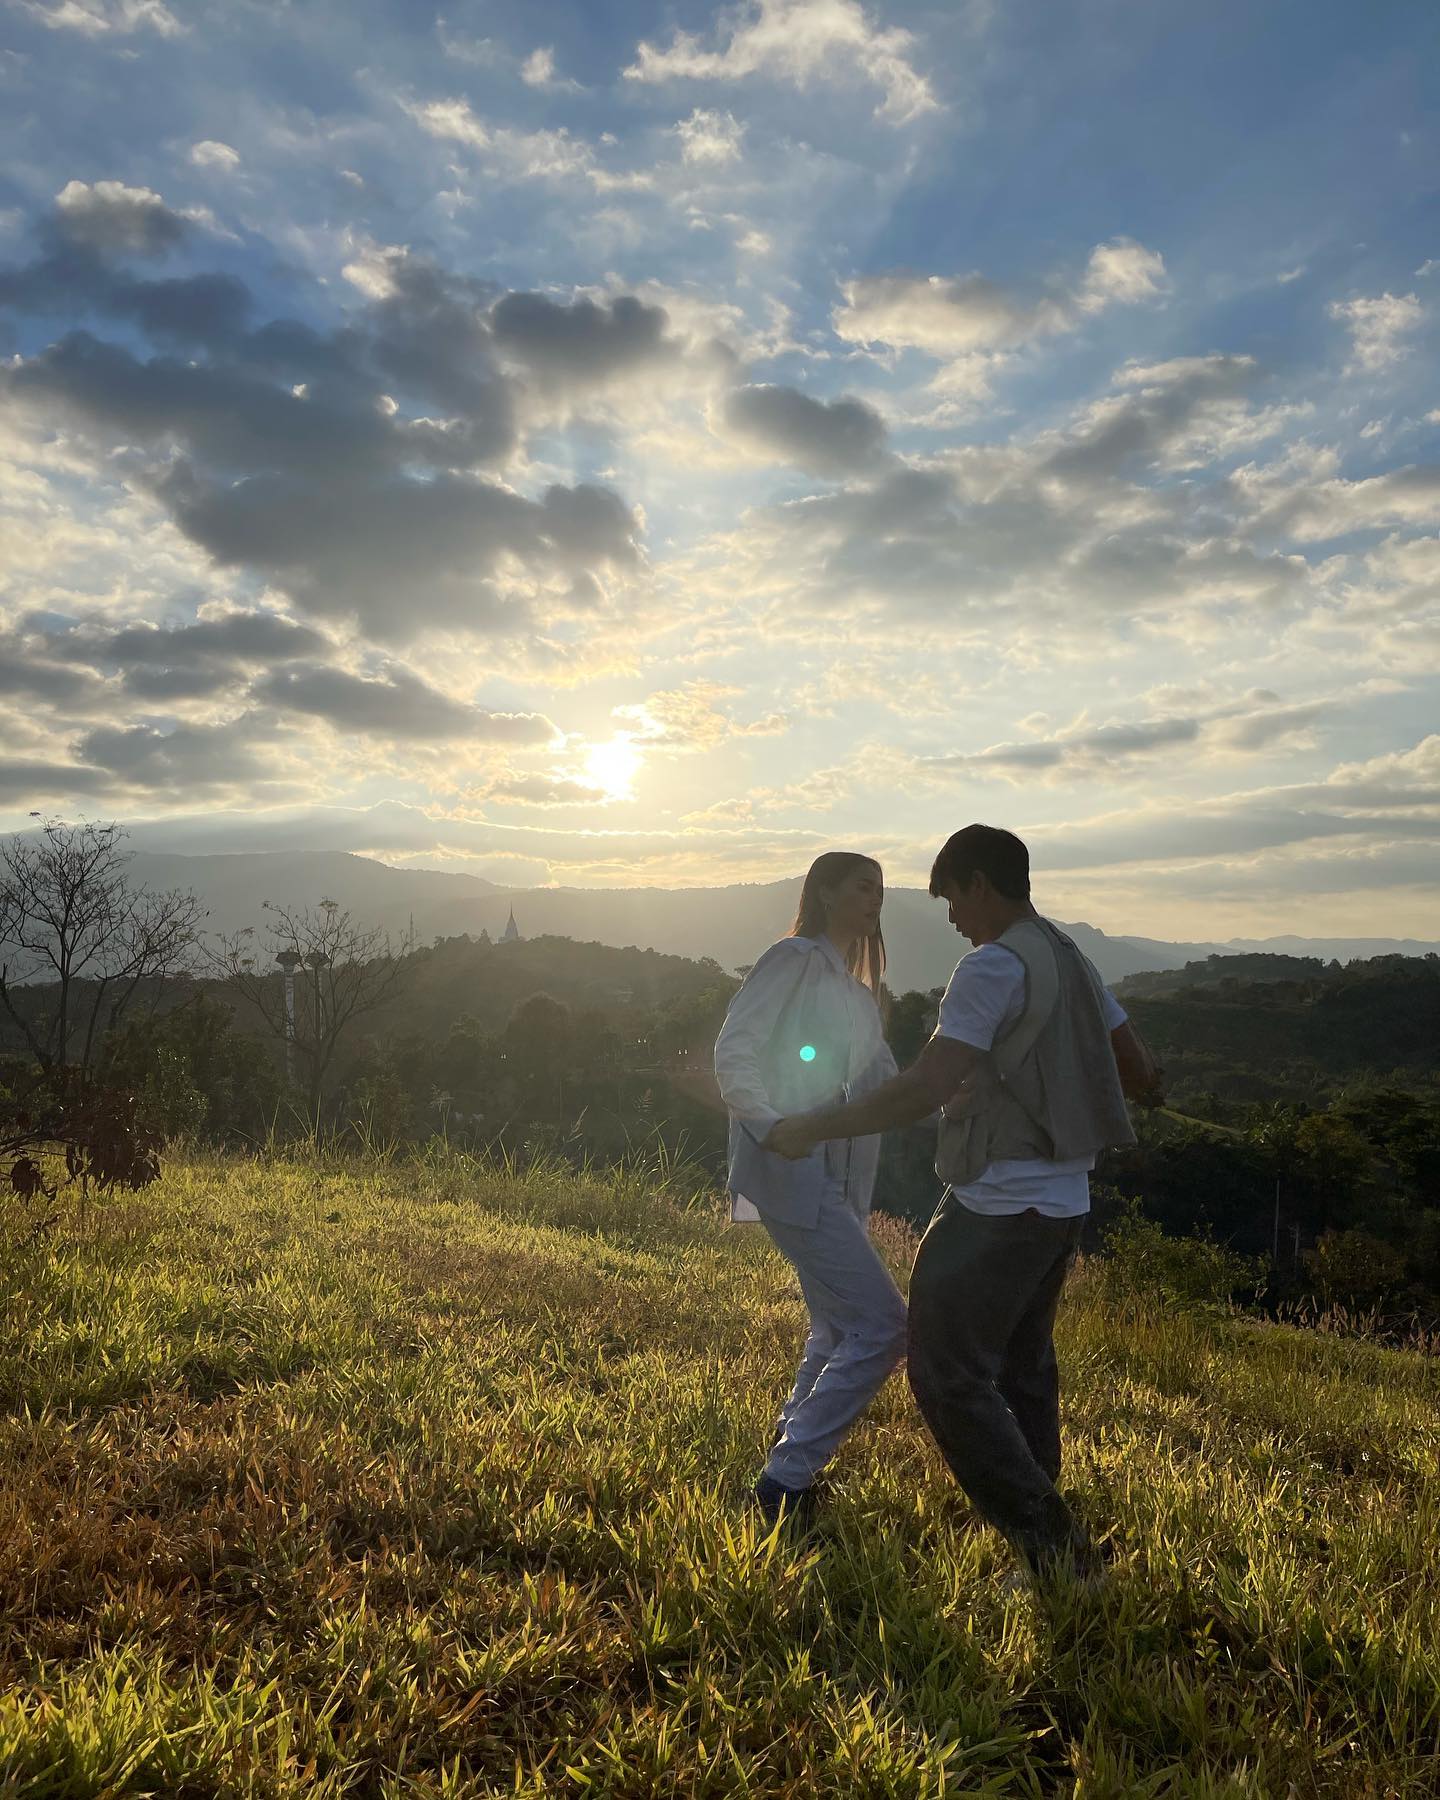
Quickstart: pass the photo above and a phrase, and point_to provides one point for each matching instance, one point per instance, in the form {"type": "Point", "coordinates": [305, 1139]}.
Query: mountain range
{"type": "Point", "coordinates": [730, 924]}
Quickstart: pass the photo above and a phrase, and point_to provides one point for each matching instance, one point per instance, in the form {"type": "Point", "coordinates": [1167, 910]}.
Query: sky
{"type": "Point", "coordinates": [650, 444]}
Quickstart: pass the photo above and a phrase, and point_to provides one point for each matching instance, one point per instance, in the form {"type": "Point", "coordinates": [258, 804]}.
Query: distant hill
{"type": "Point", "coordinates": [735, 924]}
{"type": "Point", "coordinates": [731, 924]}
{"type": "Point", "coordinates": [1335, 949]}
{"type": "Point", "coordinates": [1278, 978]}
{"type": "Point", "coordinates": [234, 888]}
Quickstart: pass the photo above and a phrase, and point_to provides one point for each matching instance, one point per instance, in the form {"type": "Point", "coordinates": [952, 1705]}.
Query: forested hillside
{"type": "Point", "coordinates": [1254, 1028]}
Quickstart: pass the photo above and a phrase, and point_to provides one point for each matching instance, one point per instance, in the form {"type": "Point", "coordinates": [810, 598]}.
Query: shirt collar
{"type": "Point", "coordinates": [828, 949]}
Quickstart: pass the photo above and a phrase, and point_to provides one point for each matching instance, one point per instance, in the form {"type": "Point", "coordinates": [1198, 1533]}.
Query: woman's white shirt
{"type": "Point", "coordinates": [841, 1022]}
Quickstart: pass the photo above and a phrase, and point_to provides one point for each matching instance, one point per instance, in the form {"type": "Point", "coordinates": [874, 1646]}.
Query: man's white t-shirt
{"type": "Point", "coordinates": [987, 993]}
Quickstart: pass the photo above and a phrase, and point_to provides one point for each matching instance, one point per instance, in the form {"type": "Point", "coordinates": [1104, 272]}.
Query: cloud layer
{"type": "Point", "coordinates": [662, 449]}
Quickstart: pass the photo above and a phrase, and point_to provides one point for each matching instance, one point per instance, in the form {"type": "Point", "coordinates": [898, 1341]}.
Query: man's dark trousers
{"type": "Point", "coordinates": [981, 1360]}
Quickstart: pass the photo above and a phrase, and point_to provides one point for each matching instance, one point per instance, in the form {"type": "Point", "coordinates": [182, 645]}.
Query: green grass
{"type": "Point", "coordinates": [416, 1479]}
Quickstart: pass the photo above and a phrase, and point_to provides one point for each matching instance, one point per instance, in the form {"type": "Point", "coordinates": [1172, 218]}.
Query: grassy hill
{"type": "Point", "coordinates": [419, 1478]}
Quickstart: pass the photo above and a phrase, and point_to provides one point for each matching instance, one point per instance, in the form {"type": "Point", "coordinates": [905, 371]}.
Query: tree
{"type": "Point", "coordinates": [193, 1071]}
{"type": "Point", "coordinates": [538, 1041]}
{"type": "Point", "coordinates": [1335, 1164]}
{"type": "Point", "coordinates": [911, 1021]}
{"type": "Point", "coordinates": [685, 1030]}
{"type": "Point", "coordinates": [335, 972]}
{"type": "Point", "coordinates": [79, 941]}
{"type": "Point", "coordinates": [465, 1065]}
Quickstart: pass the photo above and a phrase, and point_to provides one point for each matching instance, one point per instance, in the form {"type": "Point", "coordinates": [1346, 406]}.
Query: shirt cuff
{"type": "Point", "coordinates": [760, 1123]}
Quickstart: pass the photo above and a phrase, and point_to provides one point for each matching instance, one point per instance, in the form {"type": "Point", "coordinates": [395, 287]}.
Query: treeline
{"type": "Point", "coordinates": [542, 1041]}
{"type": "Point", "coordinates": [1240, 1030]}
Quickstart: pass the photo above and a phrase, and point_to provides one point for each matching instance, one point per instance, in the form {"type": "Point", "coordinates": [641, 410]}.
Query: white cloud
{"type": "Point", "coordinates": [1061, 534]}
{"type": "Point", "coordinates": [538, 71]}
{"type": "Point", "coordinates": [956, 315]}
{"type": "Point", "coordinates": [97, 18]}
{"type": "Point", "coordinates": [451, 119]}
{"type": "Point", "coordinates": [691, 718]}
{"type": "Point", "coordinates": [481, 52]}
{"type": "Point", "coordinates": [373, 270]}
{"type": "Point", "coordinates": [709, 137]}
{"type": "Point", "coordinates": [802, 41]}
{"type": "Point", "coordinates": [538, 67]}
{"type": "Point", "coordinates": [1377, 327]}
{"type": "Point", "coordinates": [1121, 273]}
{"type": "Point", "coordinates": [521, 789]}
{"type": "Point", "coordinates": [945, 317]}
{"type": "Point", "coordinates": [1257, 721]}
{"type": "Point", "coordinates": [1418, 767]}
{"type": "Point", "coordinates": [110, 215]}
{"type": "Point", "coordinates": [1311, 511]}
{"type": "Point", "coordinates": [211, 154]}
{"type": "Point", "coordinates": [522, 155]}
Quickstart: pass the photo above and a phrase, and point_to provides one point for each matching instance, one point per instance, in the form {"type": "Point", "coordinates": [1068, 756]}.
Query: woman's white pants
{"type": "Point", "coordinates": [857, 1334]}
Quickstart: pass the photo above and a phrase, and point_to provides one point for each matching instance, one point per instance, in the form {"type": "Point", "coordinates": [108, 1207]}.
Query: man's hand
{"type": "Point", "coordinates": [1141, 1076]}
{"type": "Point", "coordinates": [792, 1138]}
{"type": "Point", "coordinates": [971, 1095]}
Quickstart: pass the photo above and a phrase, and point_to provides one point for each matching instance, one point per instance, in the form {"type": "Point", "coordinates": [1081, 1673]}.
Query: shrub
{"type": "Point", "coordinates": [1355, 1266]}
{"type": "Point", "coordinates": [1142, 1261]}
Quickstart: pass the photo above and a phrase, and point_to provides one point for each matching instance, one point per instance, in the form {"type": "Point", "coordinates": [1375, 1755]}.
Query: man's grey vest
{"type": "Point", "coordinates": [1049, 1089]}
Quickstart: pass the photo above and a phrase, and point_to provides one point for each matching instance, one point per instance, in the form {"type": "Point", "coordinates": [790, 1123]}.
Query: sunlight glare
{"type": "Point", "coordinates": [613, 766]}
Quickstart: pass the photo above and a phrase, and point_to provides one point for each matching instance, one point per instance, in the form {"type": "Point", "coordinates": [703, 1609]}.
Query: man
{"type": "Point", "coordinates": [1031, 1060]}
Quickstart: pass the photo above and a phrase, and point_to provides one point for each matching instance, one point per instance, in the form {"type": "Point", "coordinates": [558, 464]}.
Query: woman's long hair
{"type": "Point", "coordinates": [866, 959]}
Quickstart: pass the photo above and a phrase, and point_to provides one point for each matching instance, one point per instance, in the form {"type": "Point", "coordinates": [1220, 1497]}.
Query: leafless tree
{"type": "Point", "coordinates": [79, 940]}
{"type": "Point", "coordinates": [337, 971]}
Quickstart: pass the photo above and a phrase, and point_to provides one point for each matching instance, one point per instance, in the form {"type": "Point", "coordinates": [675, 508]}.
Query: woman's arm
{"type": "Point", "coordinates": [750, 1025]}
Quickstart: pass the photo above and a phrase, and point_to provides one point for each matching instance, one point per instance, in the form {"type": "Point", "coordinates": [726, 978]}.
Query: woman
{"type": "Point", "coordinates": [804, 1030]}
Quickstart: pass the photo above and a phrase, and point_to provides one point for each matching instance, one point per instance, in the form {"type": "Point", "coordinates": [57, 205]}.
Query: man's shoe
{"type": "Point", "coordinates": [1081, 1566]}
{"type": "Point", "coordinates": [776, 1502]}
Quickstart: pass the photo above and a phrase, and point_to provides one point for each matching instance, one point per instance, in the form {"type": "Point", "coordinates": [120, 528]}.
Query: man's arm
{"type": "Point", "coordinates": [940, 1069]}
{"type": "Point", "coordinates": [1141, 1077]}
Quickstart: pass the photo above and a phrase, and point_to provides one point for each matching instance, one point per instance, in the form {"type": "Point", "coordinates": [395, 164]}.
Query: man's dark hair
{"type": "Point", "coordinates": [984, 850]}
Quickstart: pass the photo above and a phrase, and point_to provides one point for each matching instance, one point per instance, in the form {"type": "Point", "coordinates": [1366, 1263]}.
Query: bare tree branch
{"type": "Point", "coordinates": [71, 921]}
{"type": "Point", "coordinates": [340, 971]}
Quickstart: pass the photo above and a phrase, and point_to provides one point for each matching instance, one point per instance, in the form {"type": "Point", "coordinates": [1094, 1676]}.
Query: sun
{"type": "Point", "coordinates": [613, 766]}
